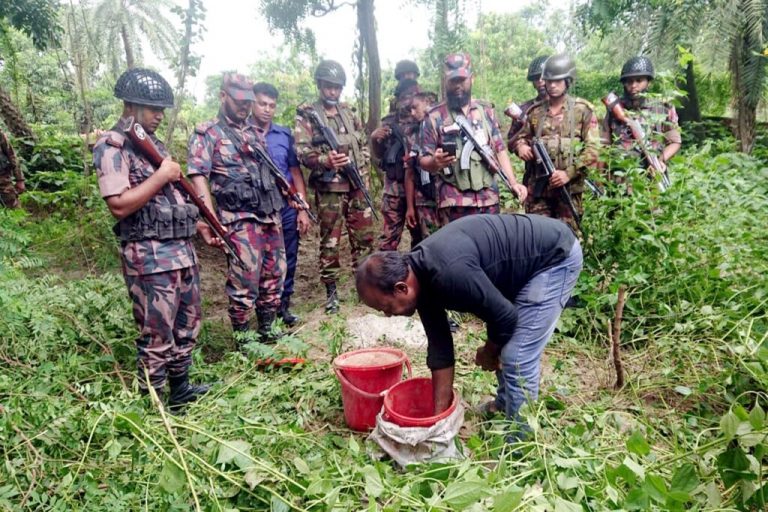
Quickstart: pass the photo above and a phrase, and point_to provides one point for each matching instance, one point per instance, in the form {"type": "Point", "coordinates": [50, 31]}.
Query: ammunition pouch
{"type": "Point", "coordinates": [425, 184]}
{"type": "Point", "coordinates": [157, 221]}
{"type": "Point", "coordinates": [248, 193]}
{"type": "Point", "coordinates": [393, 164]}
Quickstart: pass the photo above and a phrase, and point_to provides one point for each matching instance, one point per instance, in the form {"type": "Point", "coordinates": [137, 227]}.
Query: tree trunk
{"type": "Point", "coordinates": [366, 24]}
{"type": "Point", "coordinates": [689, 108]}
{"type": "Point", "coordinates": [129, 59]}
{"type": "Point", "coordinates": [15, 122]}
{"type": "Point", "coordinates": [189, 21]}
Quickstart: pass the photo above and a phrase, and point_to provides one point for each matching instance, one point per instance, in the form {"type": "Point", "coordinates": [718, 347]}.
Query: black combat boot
{"type": "Point", "coordinates": [285, 313]}
{"type": "Point", "coordinates": [267, 330]}
{"type": "Point", "coordinates": [332, 299]}
{"type": "Point", "coordinates": [183, 393]}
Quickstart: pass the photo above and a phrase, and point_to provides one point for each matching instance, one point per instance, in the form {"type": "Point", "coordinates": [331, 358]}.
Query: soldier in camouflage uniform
{"type": "Point", "coordinates": [420, 190]}
{"type": "Point", "coordinates": [337, 200]}
{"type": "Point", "coordinates": [9, 168]}
{"type": "Point", "coordinates": [248, 202]}
{"type": "Point", "coordinates": [474, 190]}
{"type": "Point", "coordinates": [155, 227]}
{"type": "Point", "coordinates": [404, 70]}
{"type": "Point", "coordinates": [658, 119]}
{"type": "Point", "coordinates": [568, 129]}
{"type": "Point", "coordinates": [535, 68]}
{"type": "Point", "coordinates": [390, 147]}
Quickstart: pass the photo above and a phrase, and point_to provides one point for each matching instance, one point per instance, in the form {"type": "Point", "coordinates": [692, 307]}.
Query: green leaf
{"type": "Point", "coordinates": [508, 500]}
{"type": "Point", "coordinates": [237, 452]}
{"type": "Point", "coordinates": [683, 390]}
{"type": "Point", "coordinates": [757, 417]}
{"type": "Point", "coordinates": [562, 505]}
{"type": "Point", "coordinates": [637, 499]}
{"type": "Point", "coordinates": [373, 484]}
{"type": "Point", "coordinates": [566, 463]}
{"type": "Point", "coordinates": [172, 477]}
{"type": "Point", "coordinates": [729, 424]}
{"type": "Point", "coordinates": [253, 478]}
{"type": "Point", "coordinates": [301, 466]}
{"type": "Point", "coordinates": [633, 466]}
{"type": "Point", "coordinates": [637, 444]}
{"type": "Point", "coordinates": [684, 480]}
{"type": "Point", "coordinates": [656, 488]}
{"type": "Point", "coordinates": [732, 465]}
{"type": "Point", "coordinates": [461, 494]}
{"type": "Point", "coordinates": [679, 496]}
{"type": "Point", "coordinates": [278, 505]}
{"type": "Point", "coordinates": [114, 448]}
{"type": "Point", "coordinates": [566, 482]}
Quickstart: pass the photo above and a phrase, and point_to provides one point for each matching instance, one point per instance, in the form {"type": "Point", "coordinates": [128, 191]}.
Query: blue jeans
{"type": "Point", "coordinates": [291, 239]}
{"type": "Point", "coordinates": [539, 305]}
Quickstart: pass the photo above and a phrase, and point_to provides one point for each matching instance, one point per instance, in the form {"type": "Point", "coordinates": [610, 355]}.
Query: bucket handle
{"type": "Point", "coordinates": [366, 394]}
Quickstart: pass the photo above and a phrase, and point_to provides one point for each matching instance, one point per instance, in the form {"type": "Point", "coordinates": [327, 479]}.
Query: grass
{"type": "Point", "coordinates": [687, 432]}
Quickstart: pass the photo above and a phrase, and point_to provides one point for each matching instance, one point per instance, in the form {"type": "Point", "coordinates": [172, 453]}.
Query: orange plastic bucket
{"type": "Point", "coordinates": [410, 404]}
{"type": "Point", "coordinates": [365, 375]}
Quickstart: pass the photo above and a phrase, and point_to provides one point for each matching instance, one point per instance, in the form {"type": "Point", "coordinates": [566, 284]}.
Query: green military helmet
{"type": "Point", "coordinates": [559, 67]}
{"type": "Point", "coordinates": [144, 87]}
{"type": "Point", "coordinates": [331, 71]}
{"type": "Point", "coordinates": [536, 68]}
{"type": "Point", "coordinates": [638, 66]}
{"type": "Point", "coordinates": [406, 66]}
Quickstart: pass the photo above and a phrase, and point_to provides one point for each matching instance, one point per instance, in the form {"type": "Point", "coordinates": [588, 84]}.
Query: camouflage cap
{"type": "Point", "coordinates": [457, 65]}
{"type": "Point", "coordinates": [238, 87]}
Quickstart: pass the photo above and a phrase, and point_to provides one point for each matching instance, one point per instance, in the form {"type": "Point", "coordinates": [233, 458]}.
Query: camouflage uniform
{"type": "Point", "coordinates": [161, 275]}
{"type": "Point", "coordinates": [393, 203]}
{"type": "Point", "coordinates": [336, 199]}
{"type": "Point", "coordinates": [9, 167]}
{"type": "Point", "coordinates": [257, 236]}
{"type": "Point", "coordinates": [464, 192]}
{"type": "Point", "coordinates": [572, 139]}
{"type": "Point", "coordinates": [658, 120]}
{"type": "Point", "coordinates": [513, 137]}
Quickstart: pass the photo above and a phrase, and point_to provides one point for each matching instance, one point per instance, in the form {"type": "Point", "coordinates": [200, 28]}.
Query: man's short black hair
{"type": "Point", "coordinates": [266, 89]}
{"type": "Point", "coordinates": [382, 271]}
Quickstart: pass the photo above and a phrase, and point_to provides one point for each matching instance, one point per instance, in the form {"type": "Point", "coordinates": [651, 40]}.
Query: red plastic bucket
{"type": "Point", "coordinates": [411, 404]}
{"type": "Point", "coordinates": [365, 375]}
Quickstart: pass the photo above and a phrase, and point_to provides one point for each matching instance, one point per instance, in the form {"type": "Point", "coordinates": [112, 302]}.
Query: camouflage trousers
{"type": "Point", "coordinates": [332, 209]}
{"type": "Point", "coordinates": [428, 223]}
{"type": "Point", "coordinates": [393, 210]}
{"type": "Point", "coordinates": [452, 213]}
{"type": "Point", "coordinates": [260, 284]}
{"type": "Point", "coordinates": [166, 307]}
{"type": "Point", "coordinates": [556, 208]}
{"type": "Point", "coordinates": [8, 196]}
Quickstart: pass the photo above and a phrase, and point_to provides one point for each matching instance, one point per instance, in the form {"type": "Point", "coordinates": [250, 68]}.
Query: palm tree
{"type": "Point", "coordinates": [127, 27]}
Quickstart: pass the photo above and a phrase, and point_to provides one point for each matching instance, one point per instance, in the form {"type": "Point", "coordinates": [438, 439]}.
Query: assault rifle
{"type": "Point", "coordinates": [287, 188]}
{"type": "Point", "coordinates": [484, 150]}
{"type": "Point", "coordinates": [146, 147]}
{"type": "Point", "coordinates": [543, 159]}
{"type": "Point", "coordinates": [350, 170]}
{"type": "Point", "coordinates": [514, 112]}
{"type": "Point", "coordinates": [654, 164]}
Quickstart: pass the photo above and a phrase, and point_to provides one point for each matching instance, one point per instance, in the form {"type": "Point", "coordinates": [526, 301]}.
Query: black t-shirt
{"type": "Point", "coordinates": [478, 265]}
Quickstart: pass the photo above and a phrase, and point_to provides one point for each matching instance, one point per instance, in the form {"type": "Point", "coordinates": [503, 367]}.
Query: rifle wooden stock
{"type": "Point", "coordinates": [138, 137]}
{"type": "Point", "coordinates": [611, 102]}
